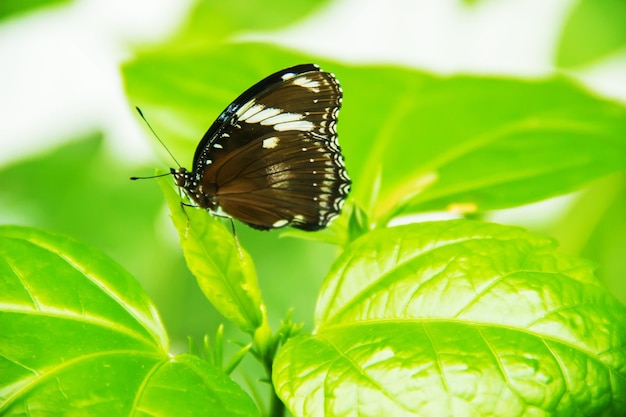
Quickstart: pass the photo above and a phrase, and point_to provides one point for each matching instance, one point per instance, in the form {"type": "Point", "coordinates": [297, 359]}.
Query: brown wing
{"type": "Point", "coordinates": [300, 182]}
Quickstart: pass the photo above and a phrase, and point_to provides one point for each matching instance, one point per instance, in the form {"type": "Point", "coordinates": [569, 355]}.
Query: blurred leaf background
{"type": "Point", "coordinates": [69, 138]}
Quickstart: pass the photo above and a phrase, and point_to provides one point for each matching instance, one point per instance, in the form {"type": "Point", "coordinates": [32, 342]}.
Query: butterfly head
{"type": "Point", "coordinates": [191, 183]}
{"type": "Point", "coordinates": [182, 177]}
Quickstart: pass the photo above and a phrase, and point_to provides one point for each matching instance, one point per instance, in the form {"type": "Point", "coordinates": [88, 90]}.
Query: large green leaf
{"type": "Point", "coordinates": [224, 270]}
{"type": "Point", "coordinates": [80, 337]}
{"type": "Point", "coordinates": [473, 143]}
{"type": "Point", "coordinates": [81, 190]}
{"type": "Point", "coordinates": [413, 141]}
{"type": "Point", "coordinates": [458, 318]}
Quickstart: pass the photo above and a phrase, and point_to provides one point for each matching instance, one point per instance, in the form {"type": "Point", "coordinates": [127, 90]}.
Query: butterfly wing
{"type": "Point", "coordinates": [272, 158]}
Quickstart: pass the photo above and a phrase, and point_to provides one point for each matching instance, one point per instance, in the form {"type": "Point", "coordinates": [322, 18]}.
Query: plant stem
{"type": "Point", "coordinates": [277, 408]}
{"type": "Point", "coordinates": [265, 345]}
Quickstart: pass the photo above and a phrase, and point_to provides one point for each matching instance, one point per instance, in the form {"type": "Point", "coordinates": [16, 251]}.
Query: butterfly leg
{"type": "Point", "coordinates": [182, 207]}
{"type": "Point", "coordinates": [232, 226]}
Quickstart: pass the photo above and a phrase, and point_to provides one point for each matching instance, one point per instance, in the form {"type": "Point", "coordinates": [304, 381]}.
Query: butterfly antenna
{"type": "Point", "coordinates": [157, 136]}
{"type": "Point", "coordinates": [151, 176]}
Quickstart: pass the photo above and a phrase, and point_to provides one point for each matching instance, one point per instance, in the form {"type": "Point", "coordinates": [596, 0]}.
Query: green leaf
{"type": "Point", "coordinates": [224, 270]}
{"type": "Point", "coordinates": [13, 8]}
{"type": "Point", "coordinates": [467, 144]}
{"type": "Point", "coordinates": [458, 318]}
{"type": "Point", "coordinates": [594, 30]}
{"type": "Point", "coordinates": [81, 190]}
{"type": "Point", "coordinates": [601, 212]}
{"type": "Point", "coordinates": [412, 141]}
{"type": "Point", "coordinates": [204, 391]}
{"type": "Point", "coordinates": [79, 335]}
{"type": "Point", "coordinates": [211, 22]}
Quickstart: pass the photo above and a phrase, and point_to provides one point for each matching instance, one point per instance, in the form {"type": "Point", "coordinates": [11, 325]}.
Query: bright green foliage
{"type": "Point", "coordinates": [455, 318]}
{"type": "Point", "coordinates": [469, 144]}
{"type": "Point", "coordinates": [458, 318]}
{"type": "Point", "coordinates": [593, 31]}
{"type": "Point", "coordinates": [224, 270]}
{"type": "Point", "coordinates": [79, 335]}
{"type": "Point", "coordinates": [213, 22]}
{"type": "Point", "coordinates": [444, 318]}
{"type": "Point", "coordinates": [15, 8]}
{"type": "Point", "coordinates": [608, 236]}
{"type": "Point", "coordinates": [78, 189]}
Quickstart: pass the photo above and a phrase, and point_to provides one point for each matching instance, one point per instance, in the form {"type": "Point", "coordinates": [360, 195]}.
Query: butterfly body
{"type": "Point", "coordinates": [271, 159]}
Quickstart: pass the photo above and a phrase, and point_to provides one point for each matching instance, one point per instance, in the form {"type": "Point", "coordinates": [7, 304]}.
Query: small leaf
{"type": "Point", "coordinates": [458, 318]}
{"type": "Point", "coordinates": [224, 270]}
{"type": "Point", "coordinates": [237, 358]}
{"type": "Point", "coordinates": [80, 337]}
{"type": "Point", "coordinates": [207, 349]}
{"type": "Point", "coordinates": [218, 353]}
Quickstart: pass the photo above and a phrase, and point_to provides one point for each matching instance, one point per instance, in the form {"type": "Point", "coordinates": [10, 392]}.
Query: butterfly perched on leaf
{"type": "Point", "coordinates": [271, 158]}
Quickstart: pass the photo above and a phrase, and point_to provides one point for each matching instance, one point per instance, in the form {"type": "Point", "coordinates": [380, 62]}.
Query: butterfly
{"type": "Point", "coordinates": [271, 159]}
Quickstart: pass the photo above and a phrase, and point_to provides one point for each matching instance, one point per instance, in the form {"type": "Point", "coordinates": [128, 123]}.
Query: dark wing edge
{"type": "Point", "coordinates": [254, 91]}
